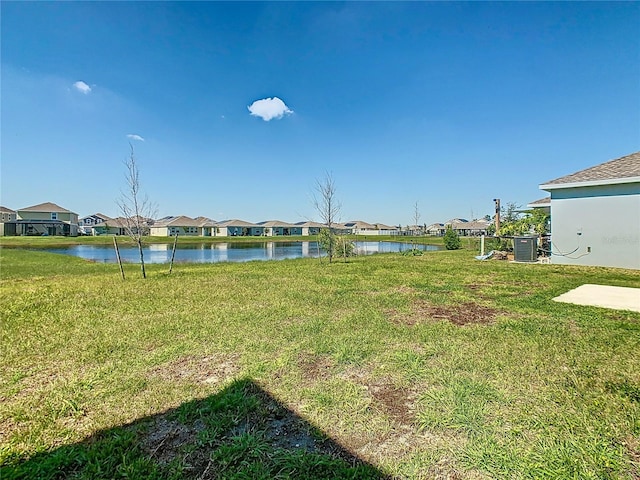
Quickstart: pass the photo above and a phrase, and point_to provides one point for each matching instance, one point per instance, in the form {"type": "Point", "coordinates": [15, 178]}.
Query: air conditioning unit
{"type": "Point", "coordinates": [525, 249]}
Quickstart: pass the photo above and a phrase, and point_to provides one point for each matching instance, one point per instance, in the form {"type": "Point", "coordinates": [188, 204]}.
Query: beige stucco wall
{"type": "Point", "coordinates": [63, 217]}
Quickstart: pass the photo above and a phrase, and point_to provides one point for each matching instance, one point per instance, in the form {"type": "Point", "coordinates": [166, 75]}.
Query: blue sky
{"type": "Point", "coordinates": [445, 104]}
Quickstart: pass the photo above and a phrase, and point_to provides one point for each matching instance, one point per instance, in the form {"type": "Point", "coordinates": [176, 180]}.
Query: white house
{"type": "Point", "coordinates": [309, 227]}
{"type": "Point", "coordinates": [183, 226]}
{"type": "Point", "coordinates": [275, 228]}
{"type": "Point", "coordinates": [595, 215]}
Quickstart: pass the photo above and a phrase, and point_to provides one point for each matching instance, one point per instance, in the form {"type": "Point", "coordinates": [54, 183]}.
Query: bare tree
{"type": "Point", "coordinates": [136, 210]}
{"type": "Point", "coordinates": [328, 207]}
{"type": "Point", "coordinates": [416, 217]}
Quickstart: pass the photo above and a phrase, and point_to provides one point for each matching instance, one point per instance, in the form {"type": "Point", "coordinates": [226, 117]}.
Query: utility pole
{"type": "Point", "coordinates": [497, 217]}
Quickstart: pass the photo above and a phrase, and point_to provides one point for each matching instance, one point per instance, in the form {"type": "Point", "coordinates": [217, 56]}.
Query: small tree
{"type": "Point", "coordinates": [135, 209]}
{"type": "Point", "coordinates": [451, 239]}
{"type": "Point", "coordinates": [336, 246]}
{"type": "Point", "coordinates": [328, 208]}
{"type": "Point", "coordinates": [416, 218]}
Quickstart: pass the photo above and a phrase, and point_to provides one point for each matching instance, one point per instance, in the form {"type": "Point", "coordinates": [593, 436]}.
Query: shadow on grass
{"type": "Point", "coordinates": [241, 432]}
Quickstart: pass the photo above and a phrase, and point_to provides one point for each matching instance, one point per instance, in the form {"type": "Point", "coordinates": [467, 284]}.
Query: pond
{"type": "Point", "coordinates": [225, 252]}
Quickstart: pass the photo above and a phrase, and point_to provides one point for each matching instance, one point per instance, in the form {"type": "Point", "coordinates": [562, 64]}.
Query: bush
{"type": "Point", "coordinates": [451, 239]}
{"type": "Point", "coordinates": [335, 245]}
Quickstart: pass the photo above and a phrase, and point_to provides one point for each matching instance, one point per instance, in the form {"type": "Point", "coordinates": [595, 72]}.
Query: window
{"type": "Point", "coordinates": [54, 215]}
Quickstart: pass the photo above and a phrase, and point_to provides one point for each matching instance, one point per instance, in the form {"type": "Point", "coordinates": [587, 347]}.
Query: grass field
{"type": "Point", "coordinates": [433, 366]}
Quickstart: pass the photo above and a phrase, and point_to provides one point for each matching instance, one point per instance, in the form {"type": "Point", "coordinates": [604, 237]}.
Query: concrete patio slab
{"type": "Point", "coordinates": [605, 296]}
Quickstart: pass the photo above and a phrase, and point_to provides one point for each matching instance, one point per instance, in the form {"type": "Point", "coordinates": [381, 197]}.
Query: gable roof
{"type": "Point", "coordinates": [359, 224]}
{"type": "Point", "coordinates": [122, 222]}
{"type": "Point", "coordinates": [6, 210]}
{"type": "Point", "coordinates": [274, 223]}
{"type": "Point", "coordinates": [436, 226]}
{"type": "Point", "coordinates": [236, 223]}
{"type": "Point", "coordinates": [620, 170]}
{"type": "Point", "coordinates": [101, 216]}
{"type": "Point", "coordinates": [46, 207]}
{"type": "Point", "coordinates": [179, 221]}
{"type": "Point", "coordinates": [541, 202]}
{"type": "Point", "coordinates": [382, 226]}
{"type": "Point", "coordinates": [472, 225]}
{"type": "Point", "coordinates": [118, 222]}
{"type": "Point", "coordinates": [455, 221]}
{"type": "Point", "coordinates": [205, 222]}
{"type": "Point", "coordinates": [184, 221]}
{"type": "Point", "coordinates": [311, 224]}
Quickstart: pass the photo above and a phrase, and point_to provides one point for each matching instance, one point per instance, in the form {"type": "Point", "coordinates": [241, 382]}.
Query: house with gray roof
{"type": "Point", "coordinates": [183, 226]}
{"type": "Point", "coordinates": [238, 228]}
{"type": "Point", "coordinates": [7, 216]}
{"type": "Point", "coordinates": [309, 227]}
{"type": "Point", "coordinates": [86, 224]}
{"type": "Point", "coordinates": [542, 203]}
{"type": "Point", "coordinates": [595, 215]}
{"type": "Point", "coordinates": [120, 226]}
{"type": "Point", "coordinates": [359, 227]}
{"type": "Point", "coordinates": [43, 219]}
{"type": "Point", "coordinates": [275, 228]}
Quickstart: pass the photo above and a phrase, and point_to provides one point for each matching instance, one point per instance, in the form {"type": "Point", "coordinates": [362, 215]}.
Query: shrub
{"type": "Point", "coordinates": [335, 245]}
{"type": "Point", "coordinates": [451, 239]}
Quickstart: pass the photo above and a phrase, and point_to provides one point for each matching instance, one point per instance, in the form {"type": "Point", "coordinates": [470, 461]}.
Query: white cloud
{"type": "Point", "coordinates": [82, 87]}
{"type": "Point", "coordinates": [269, 108]}
{"type": "Point", "coordinates": [133, 136]}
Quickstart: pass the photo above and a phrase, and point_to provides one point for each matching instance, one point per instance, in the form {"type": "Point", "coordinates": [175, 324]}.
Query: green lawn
{"type": "Point", "coordinates": [433, 366]}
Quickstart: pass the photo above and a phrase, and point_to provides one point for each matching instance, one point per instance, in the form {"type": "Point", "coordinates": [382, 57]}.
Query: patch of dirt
{"type": "Point", "coordinates": [444, 470]}
{"type": "Point", "coordinates": [211, 369]}
{"type": "Point", "coordinates": [464, 313]}
{"type": "Point", "coordinates": [460, 314]}
{"type": "Point", "coordinates": [632, 445]}
{"type": "Point", "coordinates": [315, 367]}
{"type": "Point", "coordinates": [396, 402]}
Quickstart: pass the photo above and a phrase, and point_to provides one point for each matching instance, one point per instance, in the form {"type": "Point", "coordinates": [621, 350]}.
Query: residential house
{"type": "Point", "coordinates": [466, 228]}
{"type": "Point", "coordinates": [542, 203]}
{"type": "Point", "coordinates": [86, 224]}
{"type": "Point", "coordinates": [238, 228]}
{"type": "Point", "coordinates": [7, 216]}
{"type": "Point", "coordinates": [118, 226]}
{"type": "Point", "coordinates": [436, 229]}
{"type": "Point", "coordinates": [358, 227]}
{"type": "Point", "coordinates": [386, 229]}
{"type": "Point", "coordinates": [44, 219]}
{"type": "Point", "coordinates": [595, 215]}
{"type": "Point", "coordinates": [183, 226]}
{"type": "Point", "coordinates": [113, 226]}
{"type": "Point", "coordinates": [274, 228]}
{"type": "Point", "coordinates": [471, 228]}
{"type": "Point", "coordinates": [309, 228]}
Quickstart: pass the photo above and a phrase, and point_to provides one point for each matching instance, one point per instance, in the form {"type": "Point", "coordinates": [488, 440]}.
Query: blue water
{"type": "Point", "coordinates": [224, 252]}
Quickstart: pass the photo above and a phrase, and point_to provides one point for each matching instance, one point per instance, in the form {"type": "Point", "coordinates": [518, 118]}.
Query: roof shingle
{"type": "Point", "coordinates": [617, 169]}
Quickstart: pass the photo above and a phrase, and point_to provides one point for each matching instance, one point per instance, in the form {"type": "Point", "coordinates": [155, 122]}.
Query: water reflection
{"type": "Point", "coordinates": [225, 252]}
